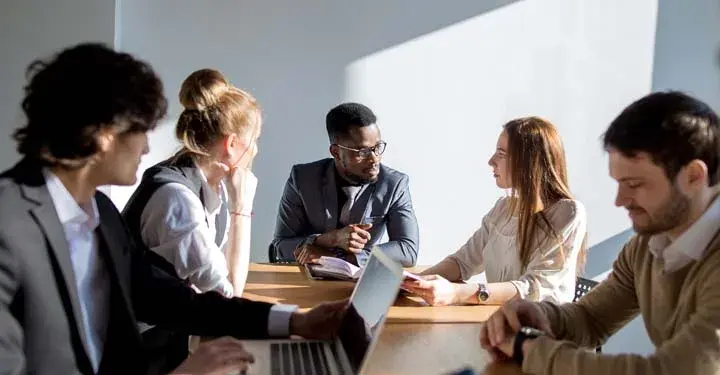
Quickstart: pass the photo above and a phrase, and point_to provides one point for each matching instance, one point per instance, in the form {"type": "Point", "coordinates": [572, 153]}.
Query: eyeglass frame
{"type": "Point", "coordinates": [372, 150]}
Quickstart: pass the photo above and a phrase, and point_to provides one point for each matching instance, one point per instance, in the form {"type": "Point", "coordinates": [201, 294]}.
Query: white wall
{"type": "Point", "coordinates": [31, 29]}
{"type": "Point", "coordinates": [442, 81]}
{"type": "Point", "coordinates": [444, 96]}
{"type": "Point", "coordinates": [687, 48]}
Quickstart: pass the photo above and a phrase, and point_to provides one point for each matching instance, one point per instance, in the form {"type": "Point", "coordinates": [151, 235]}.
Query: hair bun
{"type": "Point", "coordinates": [202, 89]}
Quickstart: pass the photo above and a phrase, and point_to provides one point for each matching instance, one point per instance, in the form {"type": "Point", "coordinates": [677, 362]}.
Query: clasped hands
{"type": "Point", "coordinates": [351, 238]}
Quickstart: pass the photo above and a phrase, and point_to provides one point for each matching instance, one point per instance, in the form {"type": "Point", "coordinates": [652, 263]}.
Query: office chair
{"type": "Point", "coordinates": [582, 287]}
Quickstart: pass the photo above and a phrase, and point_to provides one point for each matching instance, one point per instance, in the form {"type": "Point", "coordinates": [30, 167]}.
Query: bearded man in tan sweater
{"type": "Point", "coordinates": [664, 152]}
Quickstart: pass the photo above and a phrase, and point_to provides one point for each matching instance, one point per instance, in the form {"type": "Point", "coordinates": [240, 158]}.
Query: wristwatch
{"type": "Point", "coordinates": [523, 334]}
{"type": "Point", "coordinates": [482, 293]}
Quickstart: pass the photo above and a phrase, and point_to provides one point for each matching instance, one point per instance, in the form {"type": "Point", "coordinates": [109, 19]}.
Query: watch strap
{"type": "Point", "coordinates": [523, 334]}
{"type": "Point", "coordinates": [517, 354]}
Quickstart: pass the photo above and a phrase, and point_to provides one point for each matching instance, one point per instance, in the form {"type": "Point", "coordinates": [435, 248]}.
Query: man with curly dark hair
{"type": "Point", "coordinates": [73, 285]}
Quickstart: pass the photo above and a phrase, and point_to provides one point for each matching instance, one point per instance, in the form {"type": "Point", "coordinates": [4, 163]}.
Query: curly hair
{"type": "Point", "coordinates": [81, 91]}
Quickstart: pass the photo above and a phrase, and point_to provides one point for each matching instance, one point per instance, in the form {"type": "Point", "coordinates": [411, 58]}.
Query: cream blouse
{"type": "Point", "coordinates": [550, 274]}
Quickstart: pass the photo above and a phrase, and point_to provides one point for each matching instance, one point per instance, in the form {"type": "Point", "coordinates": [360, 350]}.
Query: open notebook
{"type": "Point", "coordinates": [337, 269]}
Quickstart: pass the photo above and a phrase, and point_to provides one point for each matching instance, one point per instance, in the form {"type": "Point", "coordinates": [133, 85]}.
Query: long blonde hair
{"type": "Point", "coordinates": [214, 109]}
{"type": "Point", "coordinates": [539, 180]}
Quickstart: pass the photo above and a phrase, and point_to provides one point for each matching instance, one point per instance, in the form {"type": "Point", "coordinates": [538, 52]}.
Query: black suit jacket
{"type": "Point", "coordinates": [40, 322]}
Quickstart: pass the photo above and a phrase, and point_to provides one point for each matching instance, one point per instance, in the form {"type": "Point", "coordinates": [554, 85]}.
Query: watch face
{"type": "Point", "coordinates": [482, 292]}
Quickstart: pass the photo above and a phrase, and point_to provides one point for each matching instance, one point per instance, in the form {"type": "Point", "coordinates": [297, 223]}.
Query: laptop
{"type": "Point", "coordinates": [357, 336]}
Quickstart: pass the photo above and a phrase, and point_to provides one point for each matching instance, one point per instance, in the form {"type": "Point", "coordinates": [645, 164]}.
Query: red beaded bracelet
{"type": "Point", "coordinates": [241, 214]}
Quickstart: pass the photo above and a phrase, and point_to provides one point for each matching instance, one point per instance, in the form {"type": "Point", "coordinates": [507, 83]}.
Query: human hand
{"type": "Point", "coordinates": [321, 322]}
{"type": "Point", "coordinates": [216, 357]}
{"type": "Point", "coordinates": [499, 330]}
{"type": "Point", "coordinates": [351, 238]}
{"type": "Point", "coordinates": [434, 289]}
{"type": "Point", "coordinates": [310, 254]}
{"type": "Point", "coordinates": [241, 188]}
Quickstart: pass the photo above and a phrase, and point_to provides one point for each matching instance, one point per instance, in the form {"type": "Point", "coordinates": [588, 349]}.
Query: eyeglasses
{"type": "Point", "coordinates": [366, 152]}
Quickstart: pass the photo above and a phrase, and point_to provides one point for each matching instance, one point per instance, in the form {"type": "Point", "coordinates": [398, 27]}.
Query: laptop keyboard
{"type": "Point", "coordinates": [298, 358]}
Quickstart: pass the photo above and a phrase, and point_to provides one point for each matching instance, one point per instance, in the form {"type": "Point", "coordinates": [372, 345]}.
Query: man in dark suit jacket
{"type": "Point", "coordinates": [342, 206]}
{"type": "Point", "coordinates": [73, 285]}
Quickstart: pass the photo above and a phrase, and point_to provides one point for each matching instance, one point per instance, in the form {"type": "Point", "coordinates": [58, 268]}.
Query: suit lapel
{"type": "Point", "coordinates": [48, 220]}
{"type": "Point", "coordinates": [114, 249]}
{"type": "Point", "coordinates": [329, 192]}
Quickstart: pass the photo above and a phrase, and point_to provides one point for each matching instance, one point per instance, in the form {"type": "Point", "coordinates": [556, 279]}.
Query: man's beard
{"type": "Point", "coordinates": [354, 178]}
{"type": "Point", "coordinates": [675, 211]}
{"type": "Point", "coordinates": [358, 180]}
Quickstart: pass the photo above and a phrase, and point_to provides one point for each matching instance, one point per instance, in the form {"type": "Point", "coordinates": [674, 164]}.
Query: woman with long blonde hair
{"type": "Point", "coordinates": [193, 211]}
{"type": "Point", "coordinates": [532, 242]}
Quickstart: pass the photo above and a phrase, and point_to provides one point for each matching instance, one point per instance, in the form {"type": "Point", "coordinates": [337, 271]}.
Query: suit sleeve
{"type": "Point", "coordinates": [291, 223]}
{"type": "Point", "coordinates": [402, 227]}
{"type": "Point", "coordinates": [163, 300]}
{"type": "Point", "coordinates": [12, 357]}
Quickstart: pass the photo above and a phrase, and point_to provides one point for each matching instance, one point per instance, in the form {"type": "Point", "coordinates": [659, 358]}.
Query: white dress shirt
{"type": "Point", "coordinates": [91, 276]}
{"type": "Point", "coordinates": [550, 274]}
{"type": "Point", "coordinates": [176, 225]}
{"type": "Point", "coordinates": [690, 245]}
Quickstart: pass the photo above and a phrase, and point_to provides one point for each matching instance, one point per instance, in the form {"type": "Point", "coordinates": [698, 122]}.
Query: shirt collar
{"type": "Point", "coordinates": [211, 199]}
{"type": "Point", "coordinates": [694, 241]}
{"type": "Point", "coordinates": [67, 208]}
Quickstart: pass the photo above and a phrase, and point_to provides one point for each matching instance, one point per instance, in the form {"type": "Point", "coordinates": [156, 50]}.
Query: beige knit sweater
{"type": "Point", "coordinates": [681, 312]}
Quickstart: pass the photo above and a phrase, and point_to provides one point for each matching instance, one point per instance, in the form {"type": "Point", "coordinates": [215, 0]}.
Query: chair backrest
{"type": "Point", "coordinates": [582, 286]}
{"type": "Point", "coordinates": [272, 256]}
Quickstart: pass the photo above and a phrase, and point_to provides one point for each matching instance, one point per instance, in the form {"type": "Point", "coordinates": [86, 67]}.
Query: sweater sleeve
{"type": "Point", "coordinates": [694, 349]}
{"type": "Point", "coordinates": [601, 312]}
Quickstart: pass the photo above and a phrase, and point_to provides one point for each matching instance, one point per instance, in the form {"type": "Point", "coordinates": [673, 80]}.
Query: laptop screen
{"type": "Point", "coordinates": [374, 293]}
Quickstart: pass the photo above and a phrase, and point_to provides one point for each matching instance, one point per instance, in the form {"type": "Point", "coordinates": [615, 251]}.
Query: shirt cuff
{"type": "Point", "coordinates": [225, 288]}
{"type": "Point", "coordinates": [279, 320]}
{"type": "Point", "coordinates": [523, 288]}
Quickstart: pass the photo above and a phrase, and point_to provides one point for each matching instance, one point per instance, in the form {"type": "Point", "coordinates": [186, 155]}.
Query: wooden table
{"type": "Point", "coordinates": [416, 339]}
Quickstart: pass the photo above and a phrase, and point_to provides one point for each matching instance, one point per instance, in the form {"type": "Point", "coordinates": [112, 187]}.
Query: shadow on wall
{"type": "Point", "coordinates": [296, 70]}
{"type": "Point", "coordinates": [687, 41]}
{"type": "Point", "coordinates": [600, 257]}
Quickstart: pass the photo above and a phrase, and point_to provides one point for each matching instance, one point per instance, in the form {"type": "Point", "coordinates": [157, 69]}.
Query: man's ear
{"type": "Point", "coordinates": [335, 152]}
{"type": "Point", "coordinates": [105, 139]}
{"type": "Point", "coordinates": [694, 175]}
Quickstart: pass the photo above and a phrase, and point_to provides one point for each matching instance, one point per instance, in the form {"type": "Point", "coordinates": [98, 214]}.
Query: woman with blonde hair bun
{"type": "Point", "coordinates": [193, 211]}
